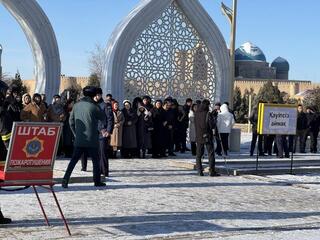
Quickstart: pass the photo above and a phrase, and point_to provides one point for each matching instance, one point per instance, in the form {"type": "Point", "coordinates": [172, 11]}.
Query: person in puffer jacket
{"type": "Point", "coordinates": [225, 123]}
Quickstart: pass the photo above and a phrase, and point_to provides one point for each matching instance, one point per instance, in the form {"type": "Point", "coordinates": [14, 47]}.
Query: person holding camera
{"type": "Point", "coordinates": [205, 123]}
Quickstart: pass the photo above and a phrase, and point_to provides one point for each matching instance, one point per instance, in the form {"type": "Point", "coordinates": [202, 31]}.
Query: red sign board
{"type": "Point", "coordinates": [32, 151]}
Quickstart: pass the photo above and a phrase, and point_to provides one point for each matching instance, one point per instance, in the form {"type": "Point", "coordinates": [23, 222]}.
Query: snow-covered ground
{"type": "Point", "coordinates": [149, 199]}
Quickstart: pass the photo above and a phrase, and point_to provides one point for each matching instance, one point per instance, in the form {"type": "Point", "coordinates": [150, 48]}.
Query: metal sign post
{"type": "Point", "coordinates": [277, 119]}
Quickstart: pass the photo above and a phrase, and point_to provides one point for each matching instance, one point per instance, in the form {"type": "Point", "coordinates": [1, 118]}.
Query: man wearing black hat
{"type": "Point", "coordinates": [83, 122]}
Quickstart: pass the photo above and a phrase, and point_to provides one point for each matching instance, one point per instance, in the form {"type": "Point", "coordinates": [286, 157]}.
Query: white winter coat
{"type": "Point", "coordinates": [192, 129]}
{"type": "Point", "coordinates": [225, 120]}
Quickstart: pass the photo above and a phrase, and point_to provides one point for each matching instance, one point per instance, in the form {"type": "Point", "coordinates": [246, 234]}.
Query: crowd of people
{"type": "Point", "coordinates": [100, 128]}
{"type": "Point", "coordinates": [136, 129]}
{"type": "Point", "coordinates": [308, 125]}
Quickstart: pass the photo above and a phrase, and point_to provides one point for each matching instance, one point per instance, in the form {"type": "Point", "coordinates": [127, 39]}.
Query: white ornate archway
{"type": "Point", "coordinates": [203, 42]}
{"type": "Point", "coordinates": [43, 43]}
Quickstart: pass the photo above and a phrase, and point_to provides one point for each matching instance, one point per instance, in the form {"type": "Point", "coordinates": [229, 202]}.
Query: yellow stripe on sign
{"type": "Point", "coordinates": [6, 137]}
{"type": "Point", "coordinates": [260, 118]}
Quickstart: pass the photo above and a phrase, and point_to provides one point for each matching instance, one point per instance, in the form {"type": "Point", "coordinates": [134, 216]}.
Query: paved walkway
{"type": "Point", "coordinates": [149, 199]}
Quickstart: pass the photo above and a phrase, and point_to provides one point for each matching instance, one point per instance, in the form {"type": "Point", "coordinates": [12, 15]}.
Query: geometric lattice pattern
{"type": "Point", "coordinates": [169, 58]}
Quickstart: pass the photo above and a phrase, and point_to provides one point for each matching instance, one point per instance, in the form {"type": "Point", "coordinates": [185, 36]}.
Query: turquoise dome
{"type": "Point", "coordinates": [249, 52]}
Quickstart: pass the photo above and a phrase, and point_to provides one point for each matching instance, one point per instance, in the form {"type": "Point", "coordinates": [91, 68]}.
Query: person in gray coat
{"type": "Point", "coordinates": [83, 122]}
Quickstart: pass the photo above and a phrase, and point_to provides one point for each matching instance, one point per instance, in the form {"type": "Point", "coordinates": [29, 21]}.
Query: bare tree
{"type": "Point", "coordinates": [7, 78]}
{"type": "Point", "coordinates": [96, 61]}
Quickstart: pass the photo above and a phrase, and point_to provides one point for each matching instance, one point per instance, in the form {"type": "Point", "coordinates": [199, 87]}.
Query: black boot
{"type": "Point", "coordinates": [4, 220]}
{"type": "Point", "coordinates": [200, 173]}
{"type": "Point", "coordinates": [213, 173]}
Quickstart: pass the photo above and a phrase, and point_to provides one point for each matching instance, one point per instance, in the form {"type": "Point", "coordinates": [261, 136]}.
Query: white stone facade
{"type": "Point", "coordinates": [130, 30]}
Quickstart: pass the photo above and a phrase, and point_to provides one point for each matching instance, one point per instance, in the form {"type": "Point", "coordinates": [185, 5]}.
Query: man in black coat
{"type": "Point", "coordinates": [205, 123]}
{"type": "Point", "coordinates": [302, 129]}
{"type": "Point", "coordinates": [254, 121]}
{"type": "Point", "coordinates": [313, 128]}
{"type": "Point", "coordinates": [105, 128]}
{"type": "Point", "coordinates": [170, 121]}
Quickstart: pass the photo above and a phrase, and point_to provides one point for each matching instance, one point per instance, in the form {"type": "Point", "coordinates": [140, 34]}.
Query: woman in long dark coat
{"type": "Point", "coordinates": [129, 135]}
{"type": "Point", "coordinates": [144, 129]}
{"type": "Point", "coordinates": [158, 139]}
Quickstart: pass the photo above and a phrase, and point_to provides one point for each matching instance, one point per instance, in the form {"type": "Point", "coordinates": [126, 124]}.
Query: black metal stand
{"type": "Point", "coordinates": [293, 149]}
{"type": "Point", "coordinates": [257, 159]}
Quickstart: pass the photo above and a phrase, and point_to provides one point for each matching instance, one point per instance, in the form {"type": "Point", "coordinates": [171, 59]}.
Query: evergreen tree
{"type": "Point", "coordinates": [269, 93]}
{"type": "Point", "coordinates": [17, 84]}
{"type": "Point", "coordinates": [94, 80]}
{"type": "Point", "coordinates": [237, 101]}
{"type": "Point", "coordinates": [244, 108]}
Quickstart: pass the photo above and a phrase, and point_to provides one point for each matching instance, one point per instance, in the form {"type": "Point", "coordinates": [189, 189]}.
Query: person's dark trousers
{"type": "Point", "coordinates": [184, 139]}
{"type": "Point", "coordinates": [84, 161]}
{"type": "Point", "coordinates": [270, 140]}
{"type": "Point", "coordinates": [282, 146]}
{"type": "Point", "coordinates": [292, 139]}
{"type": "Point", "coordinates": [302, 135]}
{"type": "Point", "coordinates": [60, 146]}
{"type": "Point", "coordinates": [177, 139]}
{"type": "Point", "coordinates": [156, 146]}
{"type": "Point", "coordinates": [103, 155]}
{"type": "Point", "coordinates": [211, 157]}
{"type": "Point", "coordinates": [193, 148]}
{"type": "Point", "coordinates": [255, 136]}
{"type": "Point", "coordinates": [78, 151]}
{"type": "Point", "coordinates": [170, 139]}
{"type": "Point", "coordinates": [225, 142]}
{"type": "Point", "coordinates": [313, 140]}
{"type": "Point", "coordinates": [218, 142]}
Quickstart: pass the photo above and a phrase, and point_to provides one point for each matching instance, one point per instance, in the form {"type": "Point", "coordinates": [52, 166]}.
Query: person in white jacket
{"type": "Point", "coordinates": [225, 123]}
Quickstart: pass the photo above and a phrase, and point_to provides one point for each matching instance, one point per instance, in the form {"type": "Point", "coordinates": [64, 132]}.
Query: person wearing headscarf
{"type": "Point", "coordinates": [26, 99]}
{"type": "Point", "coordinates": [158, 133]}
{"type": "Point", "coordinates": [144, 130]}
{"type": "Point", "coordinates": [129, 134]}
{"type": "Point", "coordinates": [116, 137]}
{"type": "Point", "coordinates": [35, 111]}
